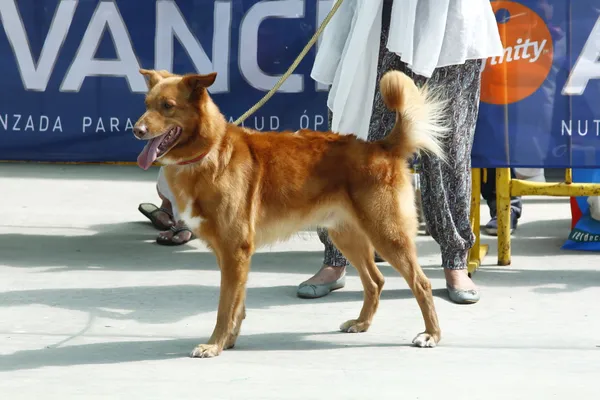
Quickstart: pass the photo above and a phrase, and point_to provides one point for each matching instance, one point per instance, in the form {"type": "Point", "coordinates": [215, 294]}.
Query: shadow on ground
{"type": "Point", "coordinates": [131, 351]}
{"type": "Point", "coordinates": [565, 280]}
{"type": "Point", "coordinates": [169, 304]}
{"type": "Point", "coordinates": [130, 246]}
{"type": "Point", "coordinates": [531, 239]}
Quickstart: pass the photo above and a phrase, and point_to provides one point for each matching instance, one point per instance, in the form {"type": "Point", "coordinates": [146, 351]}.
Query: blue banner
{"type": "Point", "coordinates": [540, 101]}
{"type": "Point", "coordinates": [71, 90]}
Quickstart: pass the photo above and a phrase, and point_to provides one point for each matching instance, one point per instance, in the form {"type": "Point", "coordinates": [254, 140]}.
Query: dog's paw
{"type": "Point", "coordinates": [229, 345]}
{"type": "Point", "coordinates": [354, 326]}
{"type": "Point", "coordinates": [425, 340]}
{"type": "Point", "coordinates": [206, 351]}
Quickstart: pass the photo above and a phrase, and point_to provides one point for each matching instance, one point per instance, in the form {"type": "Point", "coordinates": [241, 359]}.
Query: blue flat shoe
{"type": "Point", "coordinates": [310, 291]}
{"type": "Point", "coordinates": [459, 296]}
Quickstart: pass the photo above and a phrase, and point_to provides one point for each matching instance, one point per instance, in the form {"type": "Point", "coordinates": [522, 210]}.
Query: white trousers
{"type": "Point", "coordinates": [165, 190]}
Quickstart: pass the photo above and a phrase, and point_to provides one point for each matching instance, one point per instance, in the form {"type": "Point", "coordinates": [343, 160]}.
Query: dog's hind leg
{"type": "Point", "coordinates": [355, 246]}
{"type": "Point", "coordinates": [392, 231]}
{"type": "Point", "coordinates": [234, 263]}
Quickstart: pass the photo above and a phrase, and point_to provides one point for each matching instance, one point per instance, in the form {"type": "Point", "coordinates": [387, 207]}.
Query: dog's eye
{"type": "Point", "coordinates": [167, 105]}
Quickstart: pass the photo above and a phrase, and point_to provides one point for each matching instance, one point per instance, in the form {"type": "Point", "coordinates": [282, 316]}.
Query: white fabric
{"type": "Point", "coordinates": [165, 190]}
{"type": "Point", "coordinates": [426, 34]}
{"type": "Point", "coordinates": [531, 174]}
{"type": "Point", "coordinates": [594, 203]}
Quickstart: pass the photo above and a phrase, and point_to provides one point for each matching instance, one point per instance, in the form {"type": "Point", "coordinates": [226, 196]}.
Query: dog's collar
{"type": "Point", "coordinates": [193, 160]}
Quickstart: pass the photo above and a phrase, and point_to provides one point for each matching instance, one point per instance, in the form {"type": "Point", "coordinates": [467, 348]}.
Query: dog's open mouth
{"type": "Point", "coordinates": [157, 147]}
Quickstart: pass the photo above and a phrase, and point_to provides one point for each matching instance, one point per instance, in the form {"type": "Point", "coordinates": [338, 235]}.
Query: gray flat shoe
{"type": "Point", "coordinates": [309, 291]}
{"type": "Point", "coordinates": [459, 296]}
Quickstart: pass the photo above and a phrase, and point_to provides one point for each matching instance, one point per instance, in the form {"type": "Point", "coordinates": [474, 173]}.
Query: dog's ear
{"type": "Point", "coordinates": [196, 82]}
{"type": "Point", "coordinates": [153, 77]}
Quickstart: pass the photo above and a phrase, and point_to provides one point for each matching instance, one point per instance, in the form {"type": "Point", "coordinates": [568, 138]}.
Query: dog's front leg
{"type": "Point", "coordinates": [234, 275]}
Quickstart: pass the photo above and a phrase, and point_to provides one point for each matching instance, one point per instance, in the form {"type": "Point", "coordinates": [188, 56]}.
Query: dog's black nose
{"type": "Point", "coordinates": [140, 130]}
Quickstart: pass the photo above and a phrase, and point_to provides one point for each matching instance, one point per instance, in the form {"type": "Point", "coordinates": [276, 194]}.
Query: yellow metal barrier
{"type": "Point", "coordinates": [503, 193]}
{"type": "Point", "coordinates": [478, 251]}
{"type": "Point", "coordinates": [507, 187]}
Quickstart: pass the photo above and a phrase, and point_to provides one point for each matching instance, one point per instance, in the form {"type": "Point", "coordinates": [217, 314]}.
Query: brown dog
{"type": "Point", "coordinates": [238, 189]}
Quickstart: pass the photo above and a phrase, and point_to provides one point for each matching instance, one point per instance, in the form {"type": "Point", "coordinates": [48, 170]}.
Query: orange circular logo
{"type": "Point", "coordinates": [527, 57]}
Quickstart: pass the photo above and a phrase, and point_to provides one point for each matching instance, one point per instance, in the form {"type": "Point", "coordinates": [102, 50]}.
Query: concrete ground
{"type": "Point", "coordinates": [92, 308]}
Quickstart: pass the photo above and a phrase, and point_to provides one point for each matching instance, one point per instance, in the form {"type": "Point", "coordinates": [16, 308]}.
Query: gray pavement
{"type": "Point", "coordinates": [91, 308]}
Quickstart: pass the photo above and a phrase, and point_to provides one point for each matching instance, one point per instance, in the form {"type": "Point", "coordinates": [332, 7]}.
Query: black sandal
{"type": "Point", "coordinates": [170, 242]}
{"type": "Point", "coordinates": [149, 210]}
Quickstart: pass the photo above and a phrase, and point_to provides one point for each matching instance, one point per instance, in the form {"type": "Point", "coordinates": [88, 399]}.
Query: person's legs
{"type": "Point", "coordinates": [446, 187]}
{"type": "Point", "coordinates": [331, 276]}
{"type": "Point", "coordinates": [516, 205]}
{"type": "Point", "coordinates": [178, 233]}
{"type": "Point", "coordinates": [161, 217]}
{"type": "Point", "coordinates": [488, 192]}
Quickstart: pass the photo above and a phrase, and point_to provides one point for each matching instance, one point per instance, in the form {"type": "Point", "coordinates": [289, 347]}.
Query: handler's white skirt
{"type": "Point", "coordinates": [426, 34]}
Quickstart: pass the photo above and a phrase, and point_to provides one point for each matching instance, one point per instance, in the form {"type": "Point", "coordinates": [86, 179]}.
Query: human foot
{"type": "Point", "coordinates": [491, 228]}
{"type": "Point", "coordinates": [161, 218]}
{"type": "Point", "coordinates": [178, 234]}
{"type": "Point", "coordinates": [326, 280]}
{"type": "Point", "coordinates": [461, 289]}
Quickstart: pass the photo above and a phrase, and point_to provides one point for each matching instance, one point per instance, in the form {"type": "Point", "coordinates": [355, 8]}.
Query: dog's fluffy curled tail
{"type": "Point", "coordinates": [419, 117]}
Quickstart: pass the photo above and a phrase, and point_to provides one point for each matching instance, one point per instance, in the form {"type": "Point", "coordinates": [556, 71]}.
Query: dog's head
{"type": "Point", "coordinates": [181, 121]}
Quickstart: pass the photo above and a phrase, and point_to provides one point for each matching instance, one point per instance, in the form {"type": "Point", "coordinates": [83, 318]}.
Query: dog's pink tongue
{"type": "Point", "coordinates": [148, 154]}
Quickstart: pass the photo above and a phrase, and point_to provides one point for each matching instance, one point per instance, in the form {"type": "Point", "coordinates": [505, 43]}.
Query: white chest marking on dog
{"type": "Point", "coordinates": [192, 222]}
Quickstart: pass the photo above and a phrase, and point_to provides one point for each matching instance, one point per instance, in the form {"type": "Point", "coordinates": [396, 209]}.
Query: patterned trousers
{"type": "Point", "coordinates": [445, 188]}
